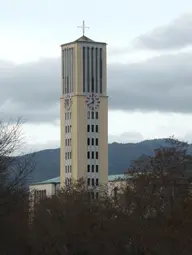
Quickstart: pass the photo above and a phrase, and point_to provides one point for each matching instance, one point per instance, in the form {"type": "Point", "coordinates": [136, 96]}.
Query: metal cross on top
{"type": "Point", "coordinates": [83, 27]}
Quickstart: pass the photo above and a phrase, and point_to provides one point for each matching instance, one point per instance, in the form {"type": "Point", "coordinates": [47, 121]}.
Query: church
{"type": "Point", "coordinates": [83, 118]}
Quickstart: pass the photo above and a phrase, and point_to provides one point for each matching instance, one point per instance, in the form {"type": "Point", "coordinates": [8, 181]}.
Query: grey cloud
{"type": "Point", "coordinates": [161, 84]}
{"type": "Point", "coordinates": [30, 90]}
{"type": "Point", "coordinates": [175, 35]}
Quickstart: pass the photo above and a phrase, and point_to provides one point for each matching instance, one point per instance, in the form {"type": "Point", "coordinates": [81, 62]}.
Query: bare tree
{"type": "Point", "coordinates": [157, 199]}
{"type": "Point", "coordinates": [78, 224]}
{"type": "Point", "coordinates": [14, 171]}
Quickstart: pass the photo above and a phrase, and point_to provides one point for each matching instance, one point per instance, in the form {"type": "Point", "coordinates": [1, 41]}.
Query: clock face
{"type": "Point", "coordinates": [68, 102]}
{"type": "Point", "coordinates": [92, 101]}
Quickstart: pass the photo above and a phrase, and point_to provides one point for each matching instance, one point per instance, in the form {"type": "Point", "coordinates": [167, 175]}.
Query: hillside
{"type": "Point", "coordinates": [120, 158]}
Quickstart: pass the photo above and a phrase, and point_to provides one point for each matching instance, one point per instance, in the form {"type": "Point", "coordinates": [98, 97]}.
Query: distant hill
{"type": "Point", "coordinates": [120, 157]}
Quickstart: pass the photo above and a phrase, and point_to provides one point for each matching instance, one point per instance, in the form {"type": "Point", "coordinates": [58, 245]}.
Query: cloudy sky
{"type": "Point", "coordinates": [149, 65]}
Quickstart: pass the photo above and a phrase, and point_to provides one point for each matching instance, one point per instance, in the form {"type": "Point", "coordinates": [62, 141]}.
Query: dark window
{"type": "Point", "coordinates": [92, 115]}
{"type": "Point", "coordinates": [96, 115]}
{"type": "Point", "coordinates": [96, 141]}
{"type": "Point", "coordinates": [97, 195]}
{"type": "Point", "coordinates": [97, 129]}
{"type": "Point", "coordinates": [88, 115]}
{"type": "Point", "coordinates": [92, 182]}
{"type": "Point", "coordinates": [88, 154]}
{"type": "Point", "coordinates": [97, 168]}
{"type": "Point", "coordinates": [92, 167]}
{"type": "Point", "coordinates": [88, 141]}
{"type": "Point", "coordinates": [88, 128]}
{"type": "Point", "coordinates": [67, 84]}
{"type": "Point", "coordinates": [88, 71]}
{"type": "Point", "coordinates": [92, 141]}
{"type": "Point", "coordinates": [115, 192]}
{"type": "Point", "coordinates": [88, 181]}
{"type": "Point", "coordinates": [97, 154]}
{"type": "Point", "coordinates": [92, 128]}
{"type": "Point", "coordinates": [97, 182]}
{"type": "Point", "coordinates": [92, 154]}
{"type": "Point", "coordinates": [84, 69]}
{"type": "Point", "coordinates": [92, 71]}
{"type": "Point", "coordinates": [96, 67]}
{"type": "Point", "coordinates": [88, 168]}
{"type": "Point", "coordinates": [92, 85]}
{"type": "Point", "coordinates": [65, 129]}
{"type": "Point", "coordinates": [101, 69]}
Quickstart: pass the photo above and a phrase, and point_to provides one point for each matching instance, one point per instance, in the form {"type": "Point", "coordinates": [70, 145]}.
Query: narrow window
{"type": "Point", "coordinates": [101, 70]}
{"type": "Point", "coordinates": [92, 141]}
{"type": "Point", "coordinates": [88, 128]}
{"type": "Point", "coordinates": [96, 115]}
{"type": "Point", "coordinates": [92, 71]}
{"type": "Point", "coordinates": [92, 168]}
{"type": "Point", "coordinates": [88, 141]}
{"type": "Point", "coordinates": [92, 115]}
{"type": "Point", "coordinates": [96, 66]}
{"type": "Point", "coordinates": [88, 168]}
{"type": "Point", "coordinates": [88, 70]}
{"type": "Point", "coordinates": [92, 128]}
{"type": "Point", "coordinates": [97, 129]}
{"type": "Point", "coordinates": [92, 85]}
{"type": "Point", "coordinates": [88, 154]}
{"type": "Point", "coordinates": [97, 155]}
{"type": "Point", "coordinates": [97, 182]}
{"type": "Point", "coordinates": [93, 154]}
{"type": "Point", "coordinates": [84, 69]}
{"type": "Point", "coordinates": [92, 182]}
{"type": "Point", "coordinates": [88, 181]}
{"type": "Point", "coordinates": [97, 168]}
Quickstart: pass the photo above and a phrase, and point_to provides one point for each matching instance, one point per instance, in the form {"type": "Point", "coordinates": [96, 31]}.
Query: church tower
{"type": "Point", "coordinates": [84, 113]}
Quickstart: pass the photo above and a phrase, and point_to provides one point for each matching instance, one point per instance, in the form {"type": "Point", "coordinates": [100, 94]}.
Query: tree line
{"type": "Point", "coordinates": [151, 214]}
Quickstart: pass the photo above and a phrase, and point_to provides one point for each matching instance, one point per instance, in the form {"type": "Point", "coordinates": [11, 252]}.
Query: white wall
{"type": "Point", "coordinates": [120, 184]}
{"type": "Point", "coordinates": [50, 188]}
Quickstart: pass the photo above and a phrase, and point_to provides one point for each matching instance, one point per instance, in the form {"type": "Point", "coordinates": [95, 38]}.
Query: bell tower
{"type": "Point", "coordinates": [84, 112]}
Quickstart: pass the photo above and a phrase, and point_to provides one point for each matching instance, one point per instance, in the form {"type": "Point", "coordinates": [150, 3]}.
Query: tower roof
{"type": "Point", "coordinates": [82, 39]}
